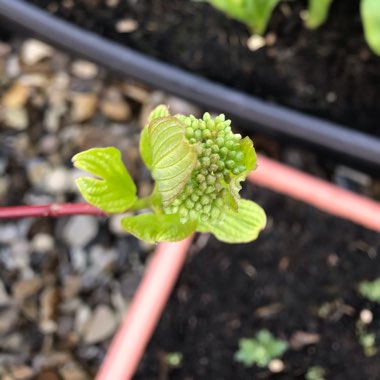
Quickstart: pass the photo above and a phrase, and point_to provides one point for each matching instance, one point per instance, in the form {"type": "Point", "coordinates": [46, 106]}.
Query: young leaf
{"type": "Point", "coordinates": [242, 226]}
{"type": "Point", "coordinates": [114, 190]}
{"type": "Point", "coordinates": [145, 148]}
{"type": "Point", "coordinates": [317, 13]}
{"type": "Point", "coordinates": [154, 228]}
{"type": "Point", "coordinates": [370, 13]}
{"type": "Point", "coordinates": [254, 13]}
{"type": "Point", "coordinates": [246, 147]}
{"type": "Point", "coordinates": [173, 158]}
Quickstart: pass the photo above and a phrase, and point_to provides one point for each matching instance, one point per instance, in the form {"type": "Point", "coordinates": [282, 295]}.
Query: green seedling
{"type": "Point", "coordinates": [317, 13]}
{"type": "Point", "coordinates": [366, 339]}
{"type": "Point", "coordinates": [254, 13]}
{"type": "Point", "coordinates": [315, 373]}
{"type": "Point", "coordinates": [370, 290]}
{"type": "Point", "coordinates": [197, 166]}
{"type": "Point", "coordinates": [370, 14]}
{"type": "Point", "coordinates": [260, 350]}
{"type": "Point", "coordinates": [174, 359]}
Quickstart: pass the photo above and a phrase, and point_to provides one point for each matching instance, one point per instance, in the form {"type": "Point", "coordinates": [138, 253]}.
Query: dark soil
{"type": "Point", "coordinates": [329, 72]}
{"type": "Point", "coordinates": [300, 275]}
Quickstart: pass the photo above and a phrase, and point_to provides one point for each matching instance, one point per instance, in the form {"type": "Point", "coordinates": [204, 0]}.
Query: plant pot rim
{"type": "Point", "coordinates": [356, 147]}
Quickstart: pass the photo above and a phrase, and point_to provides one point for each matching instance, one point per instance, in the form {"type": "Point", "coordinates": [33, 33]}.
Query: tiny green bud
{"type": "Point", "coordinates": [214, 158]}
{"type": "Point", "coordinates": [230, 164]}
{"type": "Point", "coordinates": [206, 116]}
{"type": "Point", "coordinates": [189, 204]}
{"type": "Point", "coordinates": [223, 151]}
{"type": "Point", "coordinates": [198, 207]}
{"type": "Point", "coordinates": [194, 197]}
{"type": "Point", "coordinates": [209, 143]}
{"type": "Point", "coordinates": [198, 134]}
{"type": "Point", "coordinates": [220, 141]}
{"type": "Point", "coordinates": [210, 189]}
{"type": "Point", "coordinates": [210, 179]}
{"type": "Point", "coordinates": [215, 148]}
{"type": "Point", "coordinates": [206, 134]}
{"type": "Point", "coordinates": [213, 167]}
{"type": "Point", "coordinates": [203, 186]}
{"type": "Point", "coordinates": [207, 209]}
{"type": "Point", "coordinates": [183, 212]}
{"type": "Point", "coordinates": [189, 132]}
{"type": "Point", "coordinates": [200, 178]}
{"type": "Point", "coordinates": [205, 200]}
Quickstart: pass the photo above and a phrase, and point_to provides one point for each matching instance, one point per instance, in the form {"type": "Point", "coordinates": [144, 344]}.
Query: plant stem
{"type": "Point", "coordinates": [52, 210]}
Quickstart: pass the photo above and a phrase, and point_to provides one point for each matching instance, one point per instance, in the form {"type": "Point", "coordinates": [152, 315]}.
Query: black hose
{"type": "Point", "coordinates": [258, 115]}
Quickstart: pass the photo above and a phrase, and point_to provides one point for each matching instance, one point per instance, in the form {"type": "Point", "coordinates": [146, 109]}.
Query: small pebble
{"type": "Point", "coordinates": [276, 366]}
{"type": "Point", "coordinates": [84, 69]}
{"type": "Point", "coordinates": [83, 106]}
{"type": "Point", "coordinates": [80, 230]}
{"type": "Point", "coordinates": [33, 51]}
{"type": "Point", "coordinates": [366, 316]}
{"type": "Point", "coordinates": [127, 25]}
{"type": "Point", "coordinates": [255, 42]}
{"type": "Point", "coordinates": [101, 326]}
{"type": "Point", "coordinates": [42, 242]}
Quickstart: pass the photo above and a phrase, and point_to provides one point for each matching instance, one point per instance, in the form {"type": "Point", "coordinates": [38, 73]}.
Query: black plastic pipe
{"type": "Point", "coordinates": [256, 114]}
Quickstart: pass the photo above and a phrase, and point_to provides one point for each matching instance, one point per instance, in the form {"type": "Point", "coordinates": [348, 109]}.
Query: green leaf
{"type": "Point", "coordinates": [173, 158]}
{"type": "Point", "coordinates": [242, 226]}
{"type": "Point", "coordinates": [317, 13]}
{"type": "Point", "coordinates": [254, 13]}
{"type": "Point", "coordinates": [114, 190]}
{"type": "Point", "coordinates": [154, 228]}
{"type": "Point", "coordinates": [246, 146]}
{"type": "Point", "coordinates": [370, 290]}
{"type": "Point", "coordinates": [370, 13]}
{"type": "Point", "coordinates": [145, 148]}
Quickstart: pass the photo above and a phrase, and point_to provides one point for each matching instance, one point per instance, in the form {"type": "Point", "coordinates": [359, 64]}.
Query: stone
{"type": "Point", "coordinates": [102, 325]}
{"type": "Point", "coordinates": [255, 42]}
{"type": "Point", "coordinates": [126, 25]}
{"type": "Point", "coordinates": [83, 106]}
{"type": "Point", "coordinates": [42, 242]}
{"type": "Point", "coordinates": [84, 69]}
{"type": "Point", "coordinates": [117, 110]}
{"type": "Point", "coordinates": [12, 342]}
{"type": "Point", "coordinates": [8, 319]}
{"type": "Point", "coordinates": [33, 51]}
{"type": "Point", "coordinates": [73, 371]}
{"type": "Point", "coordinates": [26, 288]}
{"type": "Point", "coordinates": [4, 296]}
{"type": "Point", "coordinates": [22, 372]}
{"type": "Point", "coordinates": [80, 230]}
{"type": "Point", "coordinates": [16, 118]}
{"type": "Point", "coordinates": [16, 96]}
{"type": "Point", "coordinates": [82, 318]}
{"type": "Point", "coordinates": [36, 170]}
{"type": "Point", "coordinates": [101, 259]}
{"type": "Point", "coordinates": [58, 180]}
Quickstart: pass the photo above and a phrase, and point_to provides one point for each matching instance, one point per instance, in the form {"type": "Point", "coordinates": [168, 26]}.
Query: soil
{"type": "Point", "coordinates": [330, 72]}
{"type": "Point", "coordinates": [301, 275]}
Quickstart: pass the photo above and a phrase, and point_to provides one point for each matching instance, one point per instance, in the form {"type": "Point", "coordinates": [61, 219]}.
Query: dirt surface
{"type": "Point", "coordinates": [329, 72]}
{"type": "Point", "coordinates": [299, 280]}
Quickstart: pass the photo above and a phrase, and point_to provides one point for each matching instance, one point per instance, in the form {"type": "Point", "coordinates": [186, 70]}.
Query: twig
{"type": "Point", "coordinates": [50, 210]}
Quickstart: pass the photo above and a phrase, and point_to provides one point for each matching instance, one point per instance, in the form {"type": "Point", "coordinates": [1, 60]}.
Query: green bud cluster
{"type": "Point", "coordinates": [219, 157]}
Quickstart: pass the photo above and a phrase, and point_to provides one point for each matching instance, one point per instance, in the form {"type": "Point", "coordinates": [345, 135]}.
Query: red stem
{"type": "Point", "coordinates": [52, 210]}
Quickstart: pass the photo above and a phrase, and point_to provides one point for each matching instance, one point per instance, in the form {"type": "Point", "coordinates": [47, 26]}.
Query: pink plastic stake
{"type": "Point", "coordinates": [316, 192]}
{"type": "Point", "coordinates": [147, 305]}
